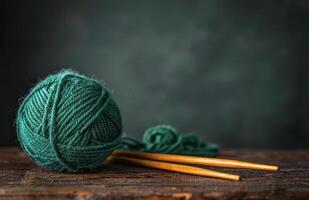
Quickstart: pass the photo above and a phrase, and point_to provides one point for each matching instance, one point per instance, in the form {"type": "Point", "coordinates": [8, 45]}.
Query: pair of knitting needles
{"type": "Point", "coordinates": [167, 162]}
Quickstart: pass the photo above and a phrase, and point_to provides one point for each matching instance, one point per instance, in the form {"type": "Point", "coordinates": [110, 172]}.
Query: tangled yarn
{"type": "Point", "coordinates": [166, 139]}
{"type": "Point", "coordinates": [70, 123]}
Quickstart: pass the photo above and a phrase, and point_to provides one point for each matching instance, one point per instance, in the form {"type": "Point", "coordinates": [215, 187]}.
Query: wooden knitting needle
{"type": "Point", "coordinates": [173, 167]}
{"type": "Point", "coordinates": [196, 160]}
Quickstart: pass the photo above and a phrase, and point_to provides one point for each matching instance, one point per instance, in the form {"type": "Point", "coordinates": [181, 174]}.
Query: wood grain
{"type": "Point", "coordinates": [21, 179]}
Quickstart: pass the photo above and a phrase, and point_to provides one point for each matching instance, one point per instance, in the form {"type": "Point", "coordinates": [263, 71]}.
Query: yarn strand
{"type": "Point", "coordinates": [166, 139]}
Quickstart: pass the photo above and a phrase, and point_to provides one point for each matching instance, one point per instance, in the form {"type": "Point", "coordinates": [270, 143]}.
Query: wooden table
{"type": "Point", "coordinates": [20, 178]}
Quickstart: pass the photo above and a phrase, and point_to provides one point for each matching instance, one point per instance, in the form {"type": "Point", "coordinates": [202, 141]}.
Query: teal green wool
{"type": "Point", "coordinates": [166, 139]}
{"type": "Point", "coordinates": [70, 123]}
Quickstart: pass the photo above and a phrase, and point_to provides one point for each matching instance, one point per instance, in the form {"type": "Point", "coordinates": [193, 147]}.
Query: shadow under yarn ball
{"type": "Point", "coordinates": [69, 123]}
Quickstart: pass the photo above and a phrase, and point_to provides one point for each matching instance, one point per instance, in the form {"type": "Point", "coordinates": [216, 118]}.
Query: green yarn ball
{"type": "Point", "coordinates": [69, 123]}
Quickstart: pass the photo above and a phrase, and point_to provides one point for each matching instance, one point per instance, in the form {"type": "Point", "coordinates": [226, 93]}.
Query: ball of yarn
{"type": "Point", "coordinates": [69, 123]}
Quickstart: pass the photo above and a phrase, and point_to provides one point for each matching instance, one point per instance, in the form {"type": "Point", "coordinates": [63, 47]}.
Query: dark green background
{"type": "Point", "coordinates": [235, 72]}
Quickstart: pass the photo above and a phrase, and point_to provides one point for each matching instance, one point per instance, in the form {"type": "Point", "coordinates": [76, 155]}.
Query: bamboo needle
{"type": "Point", "coordinates": [196, 160]}
{"type": "Point", "coordinates": [173, 167]}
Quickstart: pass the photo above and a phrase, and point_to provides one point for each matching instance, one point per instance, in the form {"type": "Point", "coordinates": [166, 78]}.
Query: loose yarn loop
{"type": "Point", "coordinates": [166, 139]}
{"type": "Point", "coordinates": [69, 122]}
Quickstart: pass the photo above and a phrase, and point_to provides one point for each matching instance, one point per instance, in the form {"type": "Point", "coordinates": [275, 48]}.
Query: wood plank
{"type": "Point", "coordinates": [20, 178]}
